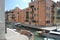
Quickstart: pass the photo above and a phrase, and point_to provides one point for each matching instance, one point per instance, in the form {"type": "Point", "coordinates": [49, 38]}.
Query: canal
{"type": "Point", "coordinates": [36, 36]}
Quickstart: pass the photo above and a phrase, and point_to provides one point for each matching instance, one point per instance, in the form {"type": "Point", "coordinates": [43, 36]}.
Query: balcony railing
{"type": "Point", "coordinates": [34, 21]}
{"type": "Point", "coordinates": [26, 20]}
{"type": "Point", "coordinates": [32, 6]}
{"type": "Point", "coordinates": [13, 17]}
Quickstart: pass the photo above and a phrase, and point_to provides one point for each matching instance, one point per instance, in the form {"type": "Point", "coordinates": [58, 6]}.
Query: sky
{"type": "Point", "coordinates": [11, 4]}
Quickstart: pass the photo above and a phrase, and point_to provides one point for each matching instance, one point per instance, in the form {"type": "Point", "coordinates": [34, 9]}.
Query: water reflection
{"type": "Point", "coordinates": [48, 39]}
{"type": "Point", "coordinates": [51, 38]}
{"type": "Point", "coordinates": [36, 36]}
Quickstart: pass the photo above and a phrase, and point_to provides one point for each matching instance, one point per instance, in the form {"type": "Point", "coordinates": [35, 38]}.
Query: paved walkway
{"type": "Point", "coordinates": [12, 35]}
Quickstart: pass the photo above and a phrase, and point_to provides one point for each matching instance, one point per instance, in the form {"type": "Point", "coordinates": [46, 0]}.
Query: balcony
{"type": "Point", "coordinates": [13, 17]}
{"type": "Point", "coordinates": [10, 11]}
{"type": "Point", "coordinates": [32, 12]}
{"type": "Point", "coordinates": [31, 17]}
{"type": "Point", "coordinates": [31, 6]}
{"type": "Point", "coordinates": [26, 20]}
{"type": "Point", "coordinates": [58, 18]}
{"type": "Point", "coordinates": [34, 21]}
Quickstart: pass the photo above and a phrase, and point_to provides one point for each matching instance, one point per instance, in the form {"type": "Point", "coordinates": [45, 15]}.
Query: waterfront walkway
{"type": "Point", "coordinates": [13, 35]}
{"type": "Point", "coordinates": [40, 27]}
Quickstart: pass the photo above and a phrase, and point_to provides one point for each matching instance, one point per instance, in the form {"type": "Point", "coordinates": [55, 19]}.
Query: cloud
{"type": "Point", "coordinates": [56, 0]}
{"type": "Point", "coordinates": [17, 5]}
{"type": "Point", "coordinates": [26, 0]}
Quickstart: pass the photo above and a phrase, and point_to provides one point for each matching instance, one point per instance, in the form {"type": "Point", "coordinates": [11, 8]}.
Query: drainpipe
{"type": "Point", "coordinates": [45, 13]}
{"type": "Point", "coordinates": [38, 13]}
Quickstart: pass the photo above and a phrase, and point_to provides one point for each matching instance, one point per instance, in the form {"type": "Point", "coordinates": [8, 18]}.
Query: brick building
{"type": "Point", "coordinates": [58, 4]}
{"type": "Point", "coordinates": [38, 13]}
{"type": "Point", "coordinates": [8, 16]}
{"type": "Point", "coordinates": [12, 15]}
{"type": "Point", "coordinates": [56, 13]}
{"type": "Point", "coordinates": [57, 16]}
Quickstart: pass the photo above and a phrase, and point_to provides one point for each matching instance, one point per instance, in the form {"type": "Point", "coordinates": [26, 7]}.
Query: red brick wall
{"type": "Point", "coordinates": [40, 13]}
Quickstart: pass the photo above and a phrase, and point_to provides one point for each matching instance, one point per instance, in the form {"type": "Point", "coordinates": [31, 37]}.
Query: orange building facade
{"type": "Point", "coordinates": [38, 13]}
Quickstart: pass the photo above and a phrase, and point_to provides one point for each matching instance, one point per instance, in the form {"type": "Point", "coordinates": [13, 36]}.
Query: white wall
{"type": "Point", "coordinates": [2, 21]}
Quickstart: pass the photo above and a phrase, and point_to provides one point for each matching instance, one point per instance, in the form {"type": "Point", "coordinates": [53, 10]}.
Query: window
{"type": "Point", "coordinates": [33, 20]}
{"type": "Point", "coordinates": [48, 2]}
{"type": "Point", "coordinates": [58, 12]}
{"type": "Point", "coordinates": [48, 21]}
{"type": "Point", "coordinates": [34, 15]}
{"type": "Point", "coordinates": [32, 0]}
{"type": "Point", "coordinates": [35, 9]}
{"type": "Point", "coordinates": [58, 17]}
{"type": "Point", "coordinates": [31, 6]}
{"type": "Point", "coordinates": [13, 17]}
{"type": "Point", "coordinates": [53, 17]}
{"type": "Point", "coordinates": [26, 20]}
{"type": "Point", "coordinates": [18, 13]}
{"type": "Point", "coordinates": [27, 15]}
{"type": "Point", "coordinates": [47, 8]}
{"type": "Point", "coordinates": [47, 14]}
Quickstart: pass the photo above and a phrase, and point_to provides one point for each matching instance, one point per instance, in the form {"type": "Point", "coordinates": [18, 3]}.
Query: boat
{"type": "Point", "coordinates": [55, 33]}
{"type": "Point", "coordinates": [27, 33]}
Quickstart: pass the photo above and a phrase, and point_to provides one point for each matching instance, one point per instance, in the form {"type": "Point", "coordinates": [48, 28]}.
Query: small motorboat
{"type": "Point", "coordinates": [27, 33]}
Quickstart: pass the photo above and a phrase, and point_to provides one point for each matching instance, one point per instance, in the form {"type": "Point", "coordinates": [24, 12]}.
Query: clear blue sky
{"type": "Point", "coordinates": [11, 4]}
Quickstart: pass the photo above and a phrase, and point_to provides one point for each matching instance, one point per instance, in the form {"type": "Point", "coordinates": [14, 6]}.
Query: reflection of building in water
{"type": "Point", "coordinates": [49, 39]}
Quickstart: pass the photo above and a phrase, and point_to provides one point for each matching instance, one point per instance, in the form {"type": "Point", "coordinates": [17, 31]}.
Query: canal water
{"type": "Point", "coordinates": [36, 36]}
